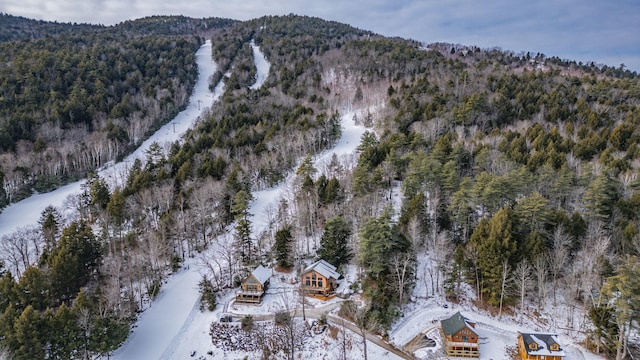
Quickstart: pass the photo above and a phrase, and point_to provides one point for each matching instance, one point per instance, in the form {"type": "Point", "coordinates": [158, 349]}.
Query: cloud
{"type": "Point", "coordinates": [584, 30]}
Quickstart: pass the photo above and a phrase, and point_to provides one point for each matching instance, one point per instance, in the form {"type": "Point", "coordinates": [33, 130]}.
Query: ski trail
{"type": "Point", "coordinates": [27, 212]}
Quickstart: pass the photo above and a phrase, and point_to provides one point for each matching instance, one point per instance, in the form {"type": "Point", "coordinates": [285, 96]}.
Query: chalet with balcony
{"type": "Point", "coordinates": [254, 286]}
{"type": "Point", "coordinates": [320, 279]}
{"type": "Point", "coordinates": [539, 347]}
{"type": "Point", "coordinates": [460, 337]}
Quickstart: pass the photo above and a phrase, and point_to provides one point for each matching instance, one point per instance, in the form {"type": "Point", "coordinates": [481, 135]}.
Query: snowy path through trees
{"type": "Point", "coordinates": [174, 315]}
{"type": "Point", "coordinates": [27, 212]}
{"type": "Point", "coordinates": [194, 336]}
{"type": "Point", "coordinates": [163, 321]}
{"type": "Point", "coordinates": [262, 64]}
{"type": "Point", "coordinates": [267, 200]}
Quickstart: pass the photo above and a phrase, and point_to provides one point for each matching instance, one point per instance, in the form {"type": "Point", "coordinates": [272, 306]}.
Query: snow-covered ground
{"type": "Point", "coordinates": [193, 336]}
{"type": "Point", "coordinates": [423, 316]}
{"type": "Point", "coordinates": [186, 331]}
{"type": "Point", "coordinates": [28, 211]}
{"type": "Point", "coordinates": [174, 327]}
{"type": "Point", "coordinates": [262, 64]}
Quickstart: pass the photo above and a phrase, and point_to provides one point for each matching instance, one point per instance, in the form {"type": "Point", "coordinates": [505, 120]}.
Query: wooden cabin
{"type": "Point", "coordinates": [254, 286]}
{"type": "Point", "coordinates": [460, 337]}
{"type": "Point", "coordinates": [539, 347]}
{"type": "Point", "coordinates": [320, 279]}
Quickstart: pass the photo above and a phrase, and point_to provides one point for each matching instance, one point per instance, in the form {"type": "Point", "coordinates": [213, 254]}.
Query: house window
{"type": "Point", "coordinates": [307, 281]}
{"type": "Point", "coordinates": [320, 283]}
{"type": "Point", "coordinates": [554, 347]}
{"type": "Point", "coordinates": [533, 346]}
{"type": "Point", "coordinates": [465, 338]}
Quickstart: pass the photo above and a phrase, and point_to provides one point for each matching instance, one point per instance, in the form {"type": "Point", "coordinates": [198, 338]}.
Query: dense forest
{"type": "Point", "coordinates": [76, 99]}
{"type": "Point", "coordinates": [518, 175]}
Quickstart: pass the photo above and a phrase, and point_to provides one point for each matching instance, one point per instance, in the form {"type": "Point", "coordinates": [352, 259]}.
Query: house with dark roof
{"type": "Point", "coordinates": [460, 337]}
{"type": "Point", "coordinates": [254, 286]}
{"type": "Point", "coordinates": [539, 346]}
{"type": "Point", "coordinates": [320, 279]}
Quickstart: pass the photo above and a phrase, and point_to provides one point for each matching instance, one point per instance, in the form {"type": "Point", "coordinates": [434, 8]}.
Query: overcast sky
{"type": "Point", "coordinates": [603, 31]}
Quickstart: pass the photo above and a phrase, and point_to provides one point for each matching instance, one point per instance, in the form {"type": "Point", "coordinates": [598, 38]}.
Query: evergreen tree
{"type": "Point", "coordinates": [495, 243]}
{"type": "Point", "coordinates": [283, 239]}
{"type": "Point", "coordinates": [116, 206]}
{"type": "Point", "coordinates": [8, 291]}
{"type": "Point", "coordinates": [623, 290]}
{"type": "Point", "coordinates": [240, 209]}
{"type": "Point", "coordinates": [50, 221]}
{"type": "Point", "coordinates": [334, 244]}
{"type": "Point", "coordinates": [601, 196]}
{"type": "Point", "coordinates": [605, 331]}
{"type": "Point", "coordinates": [98, 191]}
{"type": "Point", "coordinates": [63, 332]}
{"type": "Point", "coordinates": [34, 289]}
{"type": "Point", "coordinates": [74, 261]}
{"type": "Point", "coordinates": [376, 245]}
{"type": "Point", "coordinates": [30, 335]}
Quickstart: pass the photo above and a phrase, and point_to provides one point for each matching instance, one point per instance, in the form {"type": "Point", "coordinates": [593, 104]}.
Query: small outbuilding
{"type": "Point", "coordinates": [254, 286]}
{"type": "Point", "coordinates": [320, 279]}
{"type": "Point", "coordinates": [539, 346]}
{"type": "Point", "coordinates": [460, 337]}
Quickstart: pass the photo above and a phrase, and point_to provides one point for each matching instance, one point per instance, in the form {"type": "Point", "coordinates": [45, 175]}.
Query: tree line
{"type": "Point", "coordinates": [517, 182]}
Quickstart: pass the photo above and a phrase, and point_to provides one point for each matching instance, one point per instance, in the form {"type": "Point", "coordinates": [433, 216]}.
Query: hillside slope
{"type": "Point", "coordinates": [505, 182]}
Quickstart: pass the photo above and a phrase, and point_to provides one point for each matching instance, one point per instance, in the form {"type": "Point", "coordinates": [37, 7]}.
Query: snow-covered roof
{"type": "Point", "coordinates": [261, 274]}
{"type": "Point", "coordinates": [323, 268]}
{"type": "Point", "coordinates": [544, 342]}
{"type": "Point", "coordinates": [455, 323]}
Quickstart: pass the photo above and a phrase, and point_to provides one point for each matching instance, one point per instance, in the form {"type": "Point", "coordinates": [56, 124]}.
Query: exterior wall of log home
{"type": "Point", "coordinates": [539, 346]}
{"type": "Point", "coordinates": [254, 286]}
{"type": "Point", "coordinates": [315, 283]}
{"type": "Point", "coordinates": [460, 338]}
{"type": "Point", "coordinates": [320, 278]}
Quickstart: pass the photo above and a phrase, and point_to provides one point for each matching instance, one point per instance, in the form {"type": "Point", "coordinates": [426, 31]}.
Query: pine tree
{"type": "Point", "coordinates": [495, 243]}
{"type": "Point", "coordinates": [600, 197]}
{"type": "Point", "coordinates": [376, 244]}
{"type": "Point", "coordinates": [34, 289]}
{"type": "Point", "coordinates": [74, 261]}
{"type": "Point", "coordinates": [623, 289]}
{"type": "Point", "coordinates": [63, 332]}
{"type": "Point", "coordinates": [50, 221]}
{"type": "Point", "coordinates": [240, 210]}
{"type": "Point", "coordinates": [8, 291]}
{"type": "Point", "coordinates": [334, 244]}
{"type": "Point", "coordinates": [30, 336]}
{"type": "Point", "coordinates": [283, 239]}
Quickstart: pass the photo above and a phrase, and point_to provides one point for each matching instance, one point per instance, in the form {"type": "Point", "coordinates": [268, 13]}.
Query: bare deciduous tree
{"type": "Point", "coordinates": [21, 248]}
{"type": "Point", "coordinates": [505, 279]}
{"type": "Point", "coordinates": [523, 282]}
{"type": "Point", "coordinates": [558, 257]}
{"type": "Point", "coordinates": [401, 267]}
{"type": "Point", "coordinates": [540, 270]}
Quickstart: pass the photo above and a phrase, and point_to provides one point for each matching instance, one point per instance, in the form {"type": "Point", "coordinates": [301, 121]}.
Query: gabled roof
{"type": "Point", "coordinates": [455, 323]}
{"type": "Point", "coordinates": [262, 274]}
{"type": "Point", "coordinates": [323, 268]}
{"type": "Point", "coordinates": [544, 342]}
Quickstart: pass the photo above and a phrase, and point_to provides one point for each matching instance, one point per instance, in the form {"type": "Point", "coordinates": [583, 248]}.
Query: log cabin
{"type": "Point", "coordinates": [254, 286]}
{"type": "Point", "coordinates": [319, 278]}
{"type": "Point", "coordinates": [460, 337]}
{"type": "Point", "coordinates": [539, 346]}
